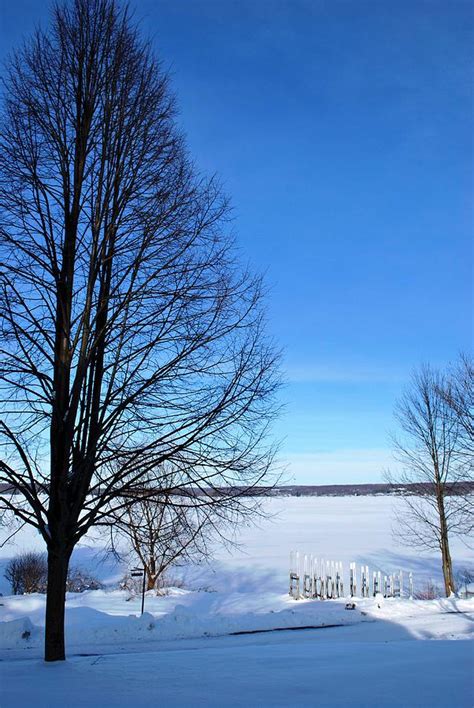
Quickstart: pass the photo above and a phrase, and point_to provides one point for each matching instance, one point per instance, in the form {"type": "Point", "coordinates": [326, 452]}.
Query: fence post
{"type": "Point", "coordinates": [294, 591]}
{"type": "Point", "coordinates": [364, 581]}
{"type": "Point", "coordinates": [322, 579]}
{"type": "Point", "coordinates": [306, 578]}
{"type": "Point", "coordinates": [314, 571]}
{"type": "Point", "coordinates": [291, 573]}
{"type": "Point", "coordinates": [352, 579]}
{"type": "Point", "coordinates": [338, 579]}
{"type": "Point", "coordinates": [328, 581]}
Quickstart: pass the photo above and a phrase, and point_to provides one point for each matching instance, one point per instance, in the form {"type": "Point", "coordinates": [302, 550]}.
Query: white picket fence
{"type": "Point", "coordinates": [312, 577]}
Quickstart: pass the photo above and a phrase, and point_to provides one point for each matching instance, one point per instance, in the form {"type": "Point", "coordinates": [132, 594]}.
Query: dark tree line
{"type": "Point", "coordinates": [131, 339]}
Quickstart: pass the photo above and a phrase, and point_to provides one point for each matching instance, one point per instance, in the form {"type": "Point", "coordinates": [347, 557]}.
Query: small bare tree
{"type": "Point", "coordinates": [161, 533]}
{"type": "Point", "coordinates": [129, 334]}
{"type": "Point", "coordinates": [166, 524]}
{"type": "Point", "coordinates": [433, 461]}
{"type": "Point", "coordinates": [162, 527]}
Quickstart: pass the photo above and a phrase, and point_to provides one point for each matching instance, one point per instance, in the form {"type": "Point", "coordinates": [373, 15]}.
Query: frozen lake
{"type": "Point", "coordinates": [188, 648]}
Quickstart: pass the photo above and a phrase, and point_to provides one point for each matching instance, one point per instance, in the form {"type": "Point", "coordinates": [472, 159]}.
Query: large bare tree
{"type": "Point", "coordinates": [130, 337]}
{"type": "Point", "coordinates": [435, 463]}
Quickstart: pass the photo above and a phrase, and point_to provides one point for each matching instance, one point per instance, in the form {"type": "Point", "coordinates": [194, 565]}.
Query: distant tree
{"type": "Point", "coordinates": [433, 458]}
{"type": "Point", "coordinates": [166, 524]}
{"type": "Point", "coordinates": [164, 528]}
{"type": "Point", "coordinates": [129, 335]}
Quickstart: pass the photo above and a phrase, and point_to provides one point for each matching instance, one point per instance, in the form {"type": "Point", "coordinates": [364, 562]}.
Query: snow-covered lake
{"type": "Point", "coordinates": [184, 650]}
{"type": "Point", "coordinates": [347, 529]}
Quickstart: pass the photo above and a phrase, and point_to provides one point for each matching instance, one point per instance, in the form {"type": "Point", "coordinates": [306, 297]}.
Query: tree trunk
{"type": "Point", "coordinates": [444, 544]}
{"type": "Point", "coordinates": [151, 574]}
{"type": "Point", "coordinates": [449, 585]}
{"type": "Point", "coordinates": [54, 648]}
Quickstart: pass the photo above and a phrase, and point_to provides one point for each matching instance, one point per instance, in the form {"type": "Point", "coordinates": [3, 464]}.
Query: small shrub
{"type": "Point", "coordinates": [78, 580]}
{"type": "Point", "coordinates": [464, 579]}
{"type": "Point", "coordinates": [132, 585]}
{"type": "Point", "coordinates": [429, 591]}
{"type": "Point", "coordinates": [164, 581]}
{"type": "Point", "coordinates": [28, 573]}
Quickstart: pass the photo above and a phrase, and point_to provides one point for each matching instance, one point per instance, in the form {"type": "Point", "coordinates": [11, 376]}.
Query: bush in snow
{"type": "Point", "coordinates": [429, 591]}
{"type": "Point", "coordinates": [134, 586]}
{"type": "Point", "coordinates": [28, 573]}
{"type": "Point", "coordinates": [465, 582]}
{"type": "Point", "coordinates": [78, 580]}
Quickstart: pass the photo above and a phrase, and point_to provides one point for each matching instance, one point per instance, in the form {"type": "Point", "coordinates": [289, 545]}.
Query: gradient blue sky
{"type": "Point", "coordinates": [343, 133]}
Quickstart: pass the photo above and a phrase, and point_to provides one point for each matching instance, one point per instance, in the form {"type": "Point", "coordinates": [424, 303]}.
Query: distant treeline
{"type": "Point", "coordinates": [326, 490]}
{"type": "Point", "coordinates": [354, 490]}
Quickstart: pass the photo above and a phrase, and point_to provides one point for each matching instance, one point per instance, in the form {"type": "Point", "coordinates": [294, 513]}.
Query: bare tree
{"type": "Point", "coordinates": [166, 523]}
{"type": "Point", "coordinates": [431, 454]}
{"type": "Point", "coordinates": [163, 529]}
{"type": "Point", "coordinates": [130, 336]}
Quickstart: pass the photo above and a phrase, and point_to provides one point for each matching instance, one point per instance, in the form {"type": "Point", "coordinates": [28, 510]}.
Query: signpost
{"type": "Point", "coordinates": [140, 573]}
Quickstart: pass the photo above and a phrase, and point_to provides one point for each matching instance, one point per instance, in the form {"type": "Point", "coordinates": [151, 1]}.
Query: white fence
{"type": "Point", "coordinates": [312, 577]}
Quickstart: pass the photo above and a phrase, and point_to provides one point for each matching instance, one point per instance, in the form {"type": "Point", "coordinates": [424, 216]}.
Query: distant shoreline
{"type": "Point", "coordinates": [358, 490]}
{"type": "Point", "coordinates": [328, 490]}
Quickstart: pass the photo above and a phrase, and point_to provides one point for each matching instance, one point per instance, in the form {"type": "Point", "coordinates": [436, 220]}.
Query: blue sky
{"type": "Point", "coordinates": [342, 131]}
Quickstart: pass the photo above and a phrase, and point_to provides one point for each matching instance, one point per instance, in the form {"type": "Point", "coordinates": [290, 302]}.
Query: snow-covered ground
{"type": "Point", "coordinates": [193, 647]}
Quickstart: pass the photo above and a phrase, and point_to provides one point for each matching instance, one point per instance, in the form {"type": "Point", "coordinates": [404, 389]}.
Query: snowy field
{"type": "Point", "coordinates": [196, 646]}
